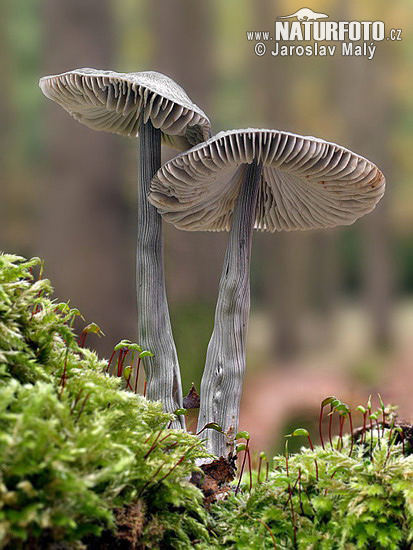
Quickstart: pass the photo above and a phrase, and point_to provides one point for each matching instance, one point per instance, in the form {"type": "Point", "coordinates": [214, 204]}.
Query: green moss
{"type": "Point", "coordinates": [77, 453]}
{"type": "Point", "coordinates": [86, 464]}
{"type": "Point", "coordinates": [356, 503]}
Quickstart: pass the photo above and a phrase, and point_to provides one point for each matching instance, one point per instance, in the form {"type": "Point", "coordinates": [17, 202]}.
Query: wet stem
{"type": "Point", "coordinates": [267, 528]}
{"type": "Point", "coordinates": [259, 469]}
{"type": "Point", "coordinates": [137, 375]}
{"type": "Point", "coordinates": [121, 360]}
{"type": "Point", "coordinates": [340, 439]}
{"type": "Point", "coordinates": [177, 463]}
{"type": "Point", "coordinates": [320, 430]}
{"type": "Point", "coordinates": [299, 492]}
{"type": "Point", "coordinates": [330, 425]}
{"type": "Point", "coordinates": [163, 464]}
{"type": "Point", "coordinates": [152, 447]}
{"type": "Point", "coordinates": [371, 439]}
{"type": "Point", "coordinates": [110, 360]}
{"type": "Point", "coordinates": [364, 427]}
{"type": "Point", "coordinates": [350, 418]}
{"type": "Point", "coordinates": [250, 468]}
{"type": "Point", "coordinates": [123, 353]}
{"type": "Point", "coordinates": [246, 453]}
{"type": "Point", "coordinates": [82, 339]}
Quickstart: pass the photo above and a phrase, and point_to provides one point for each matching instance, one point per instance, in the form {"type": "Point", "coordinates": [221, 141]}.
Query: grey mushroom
{"type": "Point", "coordinates": [263, 179]}
{"type": "Point", "coordinates": [154, 107]}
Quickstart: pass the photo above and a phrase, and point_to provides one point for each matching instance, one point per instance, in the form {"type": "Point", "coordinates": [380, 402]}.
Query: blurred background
{"type": "Point", "coordinates": [332, 312]}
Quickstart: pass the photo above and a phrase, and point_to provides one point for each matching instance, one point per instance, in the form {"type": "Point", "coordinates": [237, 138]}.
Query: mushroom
{"type": "Point", "coordinates": [263, 179]}
{"type": "Point", "coordinates": [154, 107]}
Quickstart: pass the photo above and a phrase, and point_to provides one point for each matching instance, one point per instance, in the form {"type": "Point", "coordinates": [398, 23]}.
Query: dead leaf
{"type": "Point", "coordinates": [192, 400]}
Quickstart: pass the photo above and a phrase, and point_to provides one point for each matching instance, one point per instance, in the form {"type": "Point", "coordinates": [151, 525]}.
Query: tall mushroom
{"type": "Point", "coordinates": [154, 107]}
{"type": "Point", "coordinates": [264, 179]}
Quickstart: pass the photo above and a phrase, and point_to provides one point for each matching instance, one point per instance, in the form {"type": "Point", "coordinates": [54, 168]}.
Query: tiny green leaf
{"type": "Point", "coordinates": [180, 412]}
{"type": "Point", "coordinates": [240, 447]}
{"type": "Point", "coordinates": [146, 353]}
{"type": "Point", "coordinates": [362, 409]}
{"type": "Point", "coordinates": [263, 456]}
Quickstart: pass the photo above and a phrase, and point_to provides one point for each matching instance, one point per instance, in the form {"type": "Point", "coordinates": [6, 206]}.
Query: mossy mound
{"type": "Point", "coordinates": [360, 502]}
{"type": "Point", "coordinates": [83, 463]}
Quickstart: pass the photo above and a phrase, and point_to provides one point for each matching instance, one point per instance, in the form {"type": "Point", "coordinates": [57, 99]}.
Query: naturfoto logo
{"type": "Point", "coordinates": [305, 14]}
{"type": "Point", "coordinates": [314, 34]}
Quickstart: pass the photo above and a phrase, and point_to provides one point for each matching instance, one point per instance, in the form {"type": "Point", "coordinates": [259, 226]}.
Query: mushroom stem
{"type": "Point", "coordinates": [221, 385]}
{"type": "Point", "coordinates": [154, 326]}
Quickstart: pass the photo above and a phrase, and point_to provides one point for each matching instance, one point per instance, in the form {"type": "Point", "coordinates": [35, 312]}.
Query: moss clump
{"type": "Point", "coordinates": [359, 502]}
{"type": "Point", "coordinates": [86, 464]}
{"type": "Point", "coordinates": [78, 458]}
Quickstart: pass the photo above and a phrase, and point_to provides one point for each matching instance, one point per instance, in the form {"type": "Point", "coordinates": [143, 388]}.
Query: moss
{"type": "Point", "coordinates": [77, 464]}
{"type": "Point", "coordinates": [357, 502]}
{"type": "Point", "coordinates": [86, 464]}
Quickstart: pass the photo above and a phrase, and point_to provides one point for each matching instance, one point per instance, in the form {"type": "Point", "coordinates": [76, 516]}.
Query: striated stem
{"type": "Point", "coordinates": [154, 326]}
{"type": "Point", "coordinates": [221, 385]}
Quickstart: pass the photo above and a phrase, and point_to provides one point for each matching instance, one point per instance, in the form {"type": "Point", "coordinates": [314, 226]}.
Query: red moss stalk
{"type": "Point", "coordinates": [350, 418]}
{"type": "Point", "coordinates": [246, 451]}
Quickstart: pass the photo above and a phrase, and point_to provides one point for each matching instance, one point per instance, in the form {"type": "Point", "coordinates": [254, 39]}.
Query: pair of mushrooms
{"type": "Point", "coordinates": [235, 181]}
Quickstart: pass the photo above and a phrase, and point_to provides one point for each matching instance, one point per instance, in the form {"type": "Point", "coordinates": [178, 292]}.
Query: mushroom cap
{"type": "Point", "coordinates": [115, 102]}
{"type": "Point", "coordinates": [306, 182]}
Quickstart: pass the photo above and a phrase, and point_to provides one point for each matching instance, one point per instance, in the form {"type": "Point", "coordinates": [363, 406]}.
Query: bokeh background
{"type": "Point", "coordinates": [332, 311]}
